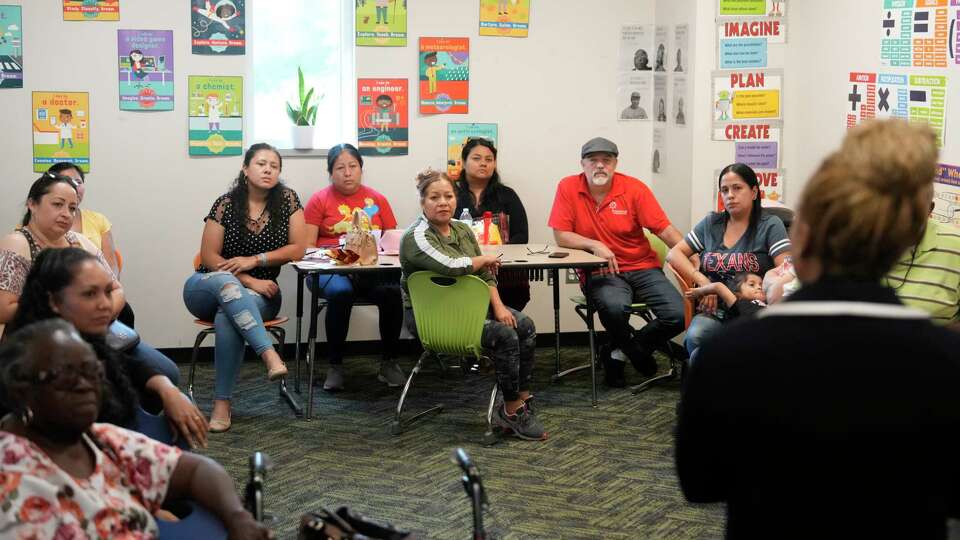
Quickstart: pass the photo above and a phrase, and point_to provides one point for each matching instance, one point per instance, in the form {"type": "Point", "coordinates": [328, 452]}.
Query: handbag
{"type": "Point", "coordinates": [347, 525]}
{"type": "Point", "coordinates": [121, 338]}
{"type": "Point", "coordinates": [361, 242]}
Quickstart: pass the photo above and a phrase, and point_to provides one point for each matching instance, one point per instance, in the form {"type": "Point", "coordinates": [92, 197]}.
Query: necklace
{"type": "Point", "coordinates": [41, 241]}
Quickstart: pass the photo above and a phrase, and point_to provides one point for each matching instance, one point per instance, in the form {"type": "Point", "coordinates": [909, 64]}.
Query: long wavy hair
{"type": "Point", "coordinates": [239, 193]}
{"type": "Point", "coordinates": [54, 270]}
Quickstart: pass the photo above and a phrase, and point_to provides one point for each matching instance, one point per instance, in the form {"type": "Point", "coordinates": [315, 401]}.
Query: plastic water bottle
{"type": "Point", "coordinates": [466, 217]}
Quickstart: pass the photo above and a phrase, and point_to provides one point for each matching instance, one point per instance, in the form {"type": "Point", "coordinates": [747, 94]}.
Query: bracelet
{"type": "Point", "coordinates": [262, 259]}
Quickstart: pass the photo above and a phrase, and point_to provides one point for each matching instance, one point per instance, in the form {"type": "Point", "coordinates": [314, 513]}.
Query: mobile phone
{"type": "Point", "coordinates": [558, 254]}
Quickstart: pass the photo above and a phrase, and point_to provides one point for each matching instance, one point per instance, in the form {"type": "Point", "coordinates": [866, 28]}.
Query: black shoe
{"type": "Point", "coordinates": [642, 361]}
{"type": "Point", "coordinates": [612, 369]}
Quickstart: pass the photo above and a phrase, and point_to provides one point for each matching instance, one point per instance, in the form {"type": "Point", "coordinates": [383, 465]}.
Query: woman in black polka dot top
{"type": "Point", "coordinates": [249, 233]}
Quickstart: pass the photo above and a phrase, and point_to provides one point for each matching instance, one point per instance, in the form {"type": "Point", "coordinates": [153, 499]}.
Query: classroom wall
{"type": "Point", "coordinates": [549, 93]}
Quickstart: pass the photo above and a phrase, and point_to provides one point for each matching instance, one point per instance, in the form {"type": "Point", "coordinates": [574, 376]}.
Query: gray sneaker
{"type": "Point", "coordinates": [523, 424]}
{"type": "Point", "coordinates": [334, 380]}
{"type": "Point", "coordinates": [391, 374]}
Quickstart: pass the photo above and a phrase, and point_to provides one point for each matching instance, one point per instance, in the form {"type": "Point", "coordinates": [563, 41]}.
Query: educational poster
{"type": "Point", "coordinates": [91, 10]}
{"type": "Point", "coordinates": [917, 98]}
{"type": "Point", "coordinates": [752, 8]}
{"type": "Point", "coordinates": [658, 162]}
{"type": "Point", "coordinates": [146, 69]}
{"type": "Point", "coordinates": [61, 129]}
{"type": "Point", "coordinates": [743, 42]}
{"type": "Point", "coordinates": [679, 111]}
{"type": "Point", "coordinates": [216, 115]}
{"type": "Point", "coordinates": [681, 39]}
{"type": "Point", "coordinates": [444, 75]}
{"type": "Point", "coordinates": [218, 26]}
{"type": "Point", "coordinates": [915, 33]}
{"type": "Point", "coordinates": [757, 144]}
{"type": "Point", "coordinates": [771, 187]}
{"type": "Point", "coordinates": [457, 135]}
{"type": "Point", "coordinates": [634, 96]}
{"type": "Point", "coordinates": [381, 23]}
{"type": "Point", "coordinates": [660, 46]}
{"type": "Point", "coordinates": [946, 194]}
{"type": "Point", "coordinates": [11, 47]}
{"type": "Point", "coordinates": [383, 117]}
{"type": "Point", "coordinates": [747, 95]}
{"type": "Point", "coordinates": [636, 46]}
{"type": "Point", "coordinates": [660, 97]}
{"type": "Point", "coordinates": [504, 18]}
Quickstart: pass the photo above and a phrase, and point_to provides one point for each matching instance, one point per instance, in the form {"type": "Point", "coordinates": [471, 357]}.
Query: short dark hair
{"type": "Point", "coordinates": [739, 279]}
{"type": "Point", "coordinates": [335, 152]}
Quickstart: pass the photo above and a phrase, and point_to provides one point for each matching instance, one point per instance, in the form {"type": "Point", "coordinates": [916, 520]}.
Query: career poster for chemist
{"type": "Point", "coordinates": [917, 98]}
{"type": "Point", "coordinates": [61, 129]}
{"type": "Point", "coordinates": [145, 69]}
{"type": "Point", "coordinates": [457, 135]}
{"type": "Point", "coordinates": [11, 47]}
{"type": "Point", "coordinates": [444, 75]}
{"type": "Point", "coordinates": [946, 194]}
{"type": "Point", "coordinates": [505, 18]}
{"type": "Point", "coordinates": [743, 42]}
{"type": "Point", "coordinates": [381, 23]}
{"type": "Point", "coordinates": [746, 95]}
{"type": "Point", "coordinates": [383, 117]}
{"type": "Point", "coordinates": [917, 33]}
{"type": "Point", "coordinates": [218, 27]}
{"type": "Point", "coordinates": [752, 8]}
{"type": "Point", "coordinates": [91, 10]}
{"type": "Point", "coordinates": [216, 115]}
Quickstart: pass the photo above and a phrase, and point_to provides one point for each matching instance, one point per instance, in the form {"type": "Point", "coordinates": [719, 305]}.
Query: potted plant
{"type": "Point", "coordinates": [304, 116]}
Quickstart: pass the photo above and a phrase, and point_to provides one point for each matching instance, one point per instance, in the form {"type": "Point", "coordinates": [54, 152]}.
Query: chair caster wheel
{"type": "Point", "coordinates": [490, 438]}
{"type": "Point", "coordinates": [395, 428]}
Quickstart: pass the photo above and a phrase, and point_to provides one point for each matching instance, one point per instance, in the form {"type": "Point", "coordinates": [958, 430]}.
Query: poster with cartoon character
{"type": "Point", "coordinates": [146, 69]}
{"type": "Point", "coordinates": [382, 117]}
{"type": "Point", "coordinates": [457, 135]}
{"type": "Point", "coordinates": [444, 75]}
{"type": "Point", "coordinates": [505, 18]}
{"type": "Point", "coordinates": [216, 115]}
{"type": "Point", "coordinates": [381, 23]}
{"type": "Point", "coordinates": [91, 10]}
{"type": "Point", "coordinates": [61, 129]}
{"type": "Point", "coordinates": [11, 47]}
{"type": "Point", "coordinates": [747, 95]}
{"type": "Point", "coordinates": [218, 26]}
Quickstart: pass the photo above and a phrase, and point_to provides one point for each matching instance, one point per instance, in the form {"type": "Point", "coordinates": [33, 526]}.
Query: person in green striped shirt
{"type": "Point", "coordinates": [928, 275]}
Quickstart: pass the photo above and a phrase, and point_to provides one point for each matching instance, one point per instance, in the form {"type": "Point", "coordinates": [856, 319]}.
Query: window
{"type": "Point", "coordinates": [316, 35]}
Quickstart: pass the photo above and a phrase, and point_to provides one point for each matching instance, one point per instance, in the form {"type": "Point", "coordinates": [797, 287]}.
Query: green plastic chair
{"type": "Point", "coordinates": [450, 313]}
{"type": "Point", "coordinates": [643, 311]}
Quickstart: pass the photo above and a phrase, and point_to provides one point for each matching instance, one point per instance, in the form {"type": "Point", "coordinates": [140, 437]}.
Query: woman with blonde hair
{"type": "Point", "coordinates": [800, 420]}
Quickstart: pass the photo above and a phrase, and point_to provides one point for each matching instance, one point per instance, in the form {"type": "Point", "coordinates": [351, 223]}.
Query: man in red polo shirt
{"type": "Point", "coordinates": [605, 212]}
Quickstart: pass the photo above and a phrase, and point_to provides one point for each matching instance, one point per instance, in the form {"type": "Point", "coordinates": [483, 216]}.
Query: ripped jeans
{"type": "Point", "coordinates": [237, 314]}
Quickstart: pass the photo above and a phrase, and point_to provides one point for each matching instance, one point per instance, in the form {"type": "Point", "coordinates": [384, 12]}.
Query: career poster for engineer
{"type": "Point", "coordinates": [946, 195]}
{"type": "Point", "coordinates": [216, 115]}
{"type": "Point", "coordinates": [61, 129]}
{"type": "Point", "coordinates": [382, 117]}
{"type": "Point", "coordinates": [746, 95]}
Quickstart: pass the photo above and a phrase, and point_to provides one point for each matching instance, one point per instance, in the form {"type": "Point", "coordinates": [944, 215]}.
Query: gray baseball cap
{"type": "Point", "coordinates": [599, 144]}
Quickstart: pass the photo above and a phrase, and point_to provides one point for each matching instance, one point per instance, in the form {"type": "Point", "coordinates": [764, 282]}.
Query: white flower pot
{"type": "Point", "coordinates": [303, 137]}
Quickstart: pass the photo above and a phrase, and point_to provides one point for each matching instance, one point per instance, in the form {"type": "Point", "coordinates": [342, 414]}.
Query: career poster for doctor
{"type": "Point", "coordinates": [91, 10]}
{"type": "Point", "coordinates": [946, 195]}
{"type": "Point", "coordinates": [747, 95]}
{"type": "Point", "coordinates": [61, 129]}
{"type": "Point", "coordinates": [145, 69]}
{"type": "Point", "coordinates": [216, 115]}
{"type": "Point", "coordinates": [218, 26]}
{"type": "Point", "coordinates": [917, 98]}
{"type": "Point", "coordinates": [382, 117]}
{"type": "Point", "coordinates": [743, 43]}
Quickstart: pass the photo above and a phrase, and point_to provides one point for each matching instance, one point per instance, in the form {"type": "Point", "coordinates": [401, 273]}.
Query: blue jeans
{"type": "Point", "coordinates": [341, 292]}
{"type": "Point", "coordinates": [145, 354]}
{"type": "Point", "coordinates": [701, 328]}
{"type": "Point", "coordinates": [237, 314]}
{"type": "Point", "coordinates": [611, 293]}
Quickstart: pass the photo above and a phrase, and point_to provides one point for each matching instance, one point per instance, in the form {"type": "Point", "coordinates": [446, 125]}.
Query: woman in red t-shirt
{"type": "Point", "coordinates": [329, 216]}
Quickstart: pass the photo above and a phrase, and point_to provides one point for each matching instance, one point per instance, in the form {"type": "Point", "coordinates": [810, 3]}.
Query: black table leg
{"type": "Point", "coordinates": [555, 274]}
{"type": "Point", "coordinates": [593, 354]}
